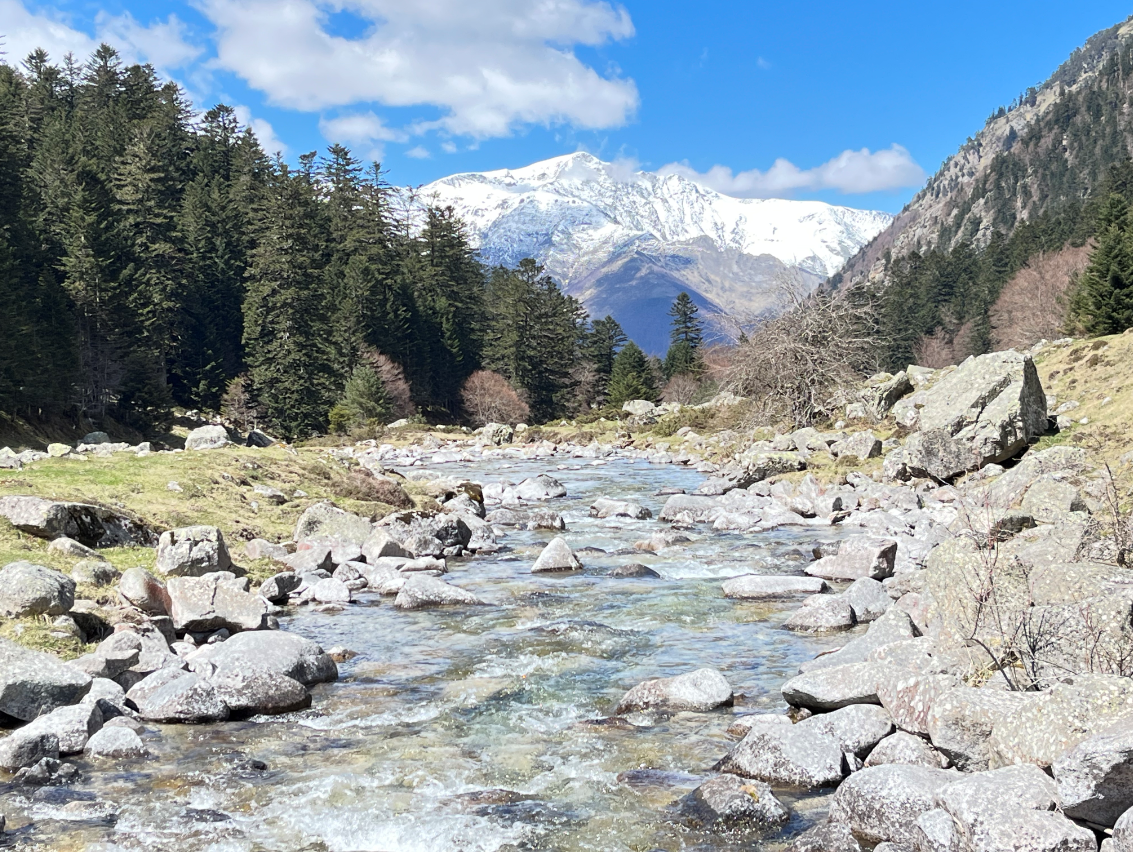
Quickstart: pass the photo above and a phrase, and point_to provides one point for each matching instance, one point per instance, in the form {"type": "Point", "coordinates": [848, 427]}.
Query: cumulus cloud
{"type": "Point", "coordinates": [418, 152]}
{"type": "Point", "coordinates": [850, 172]}
{"type": "Point", "coordinates": [162, 43]}
{"type": "Point", "coordinates": [487, 65]}
{"type": "Point", "coordinates": [265, 133]}
{"type": "Point", "coordinates": [359, 129]}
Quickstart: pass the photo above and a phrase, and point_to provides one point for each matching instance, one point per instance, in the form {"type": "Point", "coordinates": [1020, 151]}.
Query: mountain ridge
{"type": "Point", "coordinates": [626, 242]}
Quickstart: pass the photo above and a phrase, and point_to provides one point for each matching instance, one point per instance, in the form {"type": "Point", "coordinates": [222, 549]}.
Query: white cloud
{"type": "Point", "coordinates": [448, 146]}
{"type": "Point", "coordinates": [488, 65]}
{"type": "Point", "coordinates": [419, 152]}
{"type": "Point", "coordinates": [162, 43]}
{"type": "Point", "coordinates": [265, 133]}
{"type": "Point", "coordinates": [359, 128]}
{"type": "Point", "coordinates": [850, 172]}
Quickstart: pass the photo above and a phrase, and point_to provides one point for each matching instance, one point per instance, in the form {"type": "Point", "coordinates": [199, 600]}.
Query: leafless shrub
{"type": "Point", "coordinates": [1032, 305]}
{"type": "Point", "coordinates": [394, 381]}
{"type": "Point", "coordinates": [238, 404]}
{"type": "Point", "coordinates": [795, 365]}
{"type": "Point", "coordinates": [489, 398]}
{"type": "Point", "coordinates": [682, 388]}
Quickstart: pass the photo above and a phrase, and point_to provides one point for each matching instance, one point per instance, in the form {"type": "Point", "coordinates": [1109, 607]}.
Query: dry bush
{"type": "Point", "coordinates": [361, 484]}
{"type": "Point", "coordinates": [717, 360]}
{"type": "Point", "coordinates": [238, 404]}
{"type": "Point", "coordinates": [796, 365]}
{"type": "Point", "coordinates": [489, 398]}
{"type": "Point", "coordinates": [394, 382]}
{"type": "Point", "coordinates": [1032, 305]}
{"type": "Point", "coordinates": [682, 388]}
{"type": "Point", "coordinates": [934, 350]}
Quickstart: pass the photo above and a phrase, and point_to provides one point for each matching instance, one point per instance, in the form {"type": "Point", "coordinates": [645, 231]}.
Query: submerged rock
{"type": "Point", "coordinates": [556, 557]}
{"type": "Point", "coordinates": [633, 570]}
{"type": "Point", "coordinates": [115, 742]}
{"type": "Point", "coordinates": [420, 591]}
{"type": "Point", "coordinates": [760, 587]}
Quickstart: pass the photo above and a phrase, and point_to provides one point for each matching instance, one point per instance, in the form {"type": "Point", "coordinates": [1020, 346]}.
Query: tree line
{"type": "Point", "coordinates": [153, 258]}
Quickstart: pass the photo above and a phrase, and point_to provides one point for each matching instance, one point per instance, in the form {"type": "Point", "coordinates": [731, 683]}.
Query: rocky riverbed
{"type": "Point", "coordinates": [602, 647]}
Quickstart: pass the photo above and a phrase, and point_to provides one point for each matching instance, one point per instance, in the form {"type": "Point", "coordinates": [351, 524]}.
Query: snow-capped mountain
{"type": "Point", "coordinates": [626, 243]}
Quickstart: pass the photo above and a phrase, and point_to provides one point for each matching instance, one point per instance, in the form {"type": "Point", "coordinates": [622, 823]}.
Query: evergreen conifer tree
{"type": "Point", "coordinates": [631, 378]}
{"type": "Point", "coordinates": [1103, 302]}
{"type": "Point", "coordinates": [686, 336]}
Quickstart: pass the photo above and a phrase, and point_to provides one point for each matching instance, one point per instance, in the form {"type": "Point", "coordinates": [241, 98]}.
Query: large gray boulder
{"type": "Point", "coordinates": [207, 438]}
{"type": "Point", "coordinates": [24, 749]}
{"type": "Point", "coordinates": [834, 687]}
{"type": "Point", "coordinates": [326, 523]}
{"type": "Point", "coordinates": [856, 728]}
{"type": "Point", "coordinates": [826, 837]}
{"type": "Point", "coordinates": [979, 801]}
{"type": "Point", "coordinates": [1095, 778]}
{"type": "Point", "coordinates": [214, 601]}
{"type": "Point", "coordinates": [787, 756]}
{"type": "Point", "coordinates": [757, 465]}
{"type": "Point", "coordinates": [188, 698]}
{"type": "Point", "coordinates": [904, 748]}
{"type": "Point", "coordinates": [33, 683]}
{"type": "Point", "coordinates": [701, 690]}
{"type": "Point", "coordinates": [1123, 832]}
{"type": "Point", "coordinates": [556, 557]}
{"type": "Point", "coordinates": [141, 589]}
{"type": "Point", "coordinates": [115, 742]}
{"type": "Point", "coordinates": [961, 720]}
{"type": "Point", "coordinates": [381, 544]}
{"type": "Point", "coordinates": [93, 526]}
{"type": "Point", "coordinates": [71, 725]}
{"type": "Point", "coordinates": [257, 691]}
{"type": "Point", "coordinates": [729, 802]}
{"type": "Point", "coordinates": [278, 587]}
{"type": "Point", "coordinates": [271, 651]}
{"type": "Point", "coordinates": [420, 591]}
{"type": "Point", "coordinates": [192, 552]}
{"type": "Point", "coordinates": [762, 587]}
{"type": "Point", "coordinates": [861, 446]}
{"type": "Point", "coordinates": [881, 803]}
{"type": "Point", "coordinates": [821, 613]}
{"type": "Point", "coordinates": [30, 590]}
{"type": "Point", "coordinates": [868, 599]}
{"type": "Point", "coordinates": [541, 488]}
{"type": "Point", "coordinates": [857, 557]}
{"type": "Point", "coordinates": [987, 410]}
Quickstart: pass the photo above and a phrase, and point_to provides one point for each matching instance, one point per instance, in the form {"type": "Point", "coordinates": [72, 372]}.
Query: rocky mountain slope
{"type": "Point", "coordinates": [1052, 148]}
{"type": "Point", "coordinates": [627, 243]}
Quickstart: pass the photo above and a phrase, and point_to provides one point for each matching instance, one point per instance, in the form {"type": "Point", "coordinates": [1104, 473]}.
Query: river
{"type": "Point", "coordinates": [441, 704]}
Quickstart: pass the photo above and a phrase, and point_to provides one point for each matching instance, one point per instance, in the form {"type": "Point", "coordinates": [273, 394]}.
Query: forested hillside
{"type": "Point", "coordinates": [1029, 186]}
{"type": "Point", "coordinates": [153, 257]}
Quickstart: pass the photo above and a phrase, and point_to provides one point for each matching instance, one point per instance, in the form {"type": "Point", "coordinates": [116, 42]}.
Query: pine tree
{"type": "Point", "coordinates": [1103, 302]}
{"type": "Point", "coordinates": [601, 345]}
{"type": "Point", "coordinates": [364, 400]}
{"type": "Point", "coordinates": [286, 330]}
{"type": "Point", "coordinates": [631, 378]}
{"type": "Point", "coordinates": [686, 336]}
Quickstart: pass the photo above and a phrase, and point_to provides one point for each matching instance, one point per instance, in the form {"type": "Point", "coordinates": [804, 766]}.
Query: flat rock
{"type": "Point", "coordinates": [33, 683]}
{"type": "Point", "coordinates": [188, 698]}
{"type": "Point", "coordinates": [27, 589]}
{"type": "Point", "coordinates": [762, 587]}
{"type": "Point", "coordinates": [256, 691]}
{"type": "Point", "coordinates": [607, 508]}
{"type": "Point", "coordinates": [94, 526]}
{"type": "Point", "coordinates": [701, 690]}
{"type": "Point", "coordinates": [272, 651]}
{"type": "Point", "coordinates": [834, 687]}
{"type": "Point", "coordinates": [822, 613]}
{"type": "Point", "coordinates": [421, 591]}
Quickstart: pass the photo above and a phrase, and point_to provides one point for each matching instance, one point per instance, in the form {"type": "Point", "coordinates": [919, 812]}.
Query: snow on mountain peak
{"type": "Point", "coordinates": [601, 227]}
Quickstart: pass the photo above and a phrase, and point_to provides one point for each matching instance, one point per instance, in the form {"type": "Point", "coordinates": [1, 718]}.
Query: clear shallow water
{"type": "Point", "coordinates": [443, 703]}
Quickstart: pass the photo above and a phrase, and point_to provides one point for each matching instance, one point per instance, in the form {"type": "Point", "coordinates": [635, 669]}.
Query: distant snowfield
{"type": "Point", "coordinates": [626, 243]}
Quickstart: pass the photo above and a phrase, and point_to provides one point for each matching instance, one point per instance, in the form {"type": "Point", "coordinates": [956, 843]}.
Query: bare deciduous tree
{"type": "Point", "coordinates": [394, 382]}
{"type": "Point", "coordinates": [1032, 305]}
{"type": "Point", "coordinates": [489, 398]}
{"type": "Point", "coordinates": [682, 389]}
{"type": "Point", "coordinates": [796, 365]}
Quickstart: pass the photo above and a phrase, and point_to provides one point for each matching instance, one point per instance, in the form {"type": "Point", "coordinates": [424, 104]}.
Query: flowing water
{"type": "Point", "coordinates": [473, 729]}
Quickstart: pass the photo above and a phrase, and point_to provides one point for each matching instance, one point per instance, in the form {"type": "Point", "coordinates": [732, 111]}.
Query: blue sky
{"type": "Point", "coordinates": [850, 103]}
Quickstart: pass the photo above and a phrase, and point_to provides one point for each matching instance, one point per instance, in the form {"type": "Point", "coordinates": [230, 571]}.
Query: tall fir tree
{"type": "Point", "coordinates": [631, 378]}
{"type": "Point", "coordinates": [686, 337]}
